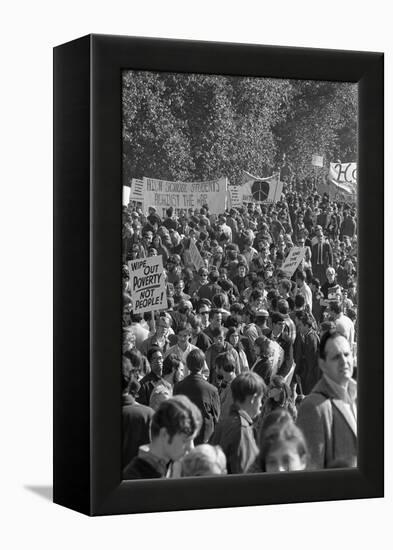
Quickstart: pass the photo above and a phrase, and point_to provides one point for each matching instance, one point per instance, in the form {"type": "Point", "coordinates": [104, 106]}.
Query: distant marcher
{"type": "Point", "coordinates": [235, 433]}
{"type": "Point", "coordinates": [204, 395]}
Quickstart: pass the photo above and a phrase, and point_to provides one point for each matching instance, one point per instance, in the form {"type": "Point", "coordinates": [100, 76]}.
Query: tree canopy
{"type": "Point", "coordinates": [193, 127]}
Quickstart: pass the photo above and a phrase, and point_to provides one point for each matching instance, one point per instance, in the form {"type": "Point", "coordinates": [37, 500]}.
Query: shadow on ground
{"type": "Point", "coordinates": [44, 491]}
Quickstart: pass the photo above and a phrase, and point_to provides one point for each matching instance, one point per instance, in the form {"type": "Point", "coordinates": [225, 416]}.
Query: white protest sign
{"type": "Point", "coordinates": [295, 256]}
{"type": "Point", "coordinates": [235, 196]}
{"type": "Point", "coordinates": [137, 189]}
{"type": "Point", "coordinates": [147, 284]}
{"type": "Point", "coordinates": [126, 195]}
{"type": "Point", "coordinates": [317, 160]}
{"type": "Point", "coordinates": [195, 256]}
{"type": "Point", "coordinates": [162, 194]}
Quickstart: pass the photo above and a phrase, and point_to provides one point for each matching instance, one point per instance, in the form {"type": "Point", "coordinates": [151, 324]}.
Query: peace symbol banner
{"type": "Point", "coordinates": [261, 190]}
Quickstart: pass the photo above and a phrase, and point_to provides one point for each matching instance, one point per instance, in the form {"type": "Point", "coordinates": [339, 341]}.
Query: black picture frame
{"type": "Point", "coordinates": [87, 274]}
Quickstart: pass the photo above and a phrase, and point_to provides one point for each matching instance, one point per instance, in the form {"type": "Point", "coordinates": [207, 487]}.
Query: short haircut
{"type": "Point", "coordinates": [273, 293]}
{"type": "Point", "coordinates": [247, 311]}
{"type": "Point", "coordinates": [217, 331]}
{"type": "Point", "coordinates": [335, 307]}
{"type": "Point", "coordinates": [256, 294]}
{"type": "Point", "coordinates": [214, 312]}
{"type": "Point", "coordinates": [220, 300]}
{"type": "Point", "coordinates": [195, 322]}
{"type": "Point", "coordinates": [204, 460]}
{"type": "Point", "coordinates": [195, 360]}
{"type": "Point", "coordinates": [171, 363]}
{"type": "Point", "coordinates": [214, 276]}
{"type": "Point", "coordinates": [178, 415]}
{"type": "Point", "coordinates": [285, 284]}
{"type": "Point", "coordinates": [283, 306]}
{"type": "Point", "coordinates": [151, 351]}
{"type": "Point", "coordinates": [225, 361]}
{"type": "Point", "coordinates": [300, 275]}
{"type": "Point", "coordinates": [331, 334]}
{"type": "Point", "coordinates": [236, 308]}
{"type": "Point", "coordinates": [246, 385]}
{"type": "Point", "coordinates": [204, 302]}
{"type": "Point", "coordinates": [316, 282]}
{"type": "Point", "coordinates": [183, 325]}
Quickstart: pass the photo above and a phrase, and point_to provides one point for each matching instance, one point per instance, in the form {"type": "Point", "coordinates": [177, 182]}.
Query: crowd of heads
{"type": "Point", "coordinates": [254, 331]}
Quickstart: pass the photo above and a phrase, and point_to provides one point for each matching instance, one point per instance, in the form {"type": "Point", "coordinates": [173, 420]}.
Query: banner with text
{"type": "Point", "coordinates": [344, 176]}
{"type": "Point", "coordinates": [183, 195]}
{"type": "Point", "coordinates": [147, 284]}
{"type": "Point", "coordinates": [295, 256]}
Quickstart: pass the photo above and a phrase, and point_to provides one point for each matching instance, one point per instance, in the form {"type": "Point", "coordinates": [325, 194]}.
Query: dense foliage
{"type": "Point", "coordinates": [200, 127]}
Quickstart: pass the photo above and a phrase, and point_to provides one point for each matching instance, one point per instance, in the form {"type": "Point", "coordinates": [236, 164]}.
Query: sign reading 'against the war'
{"type": "Point", "coordinates": [147, 284]}
{"type": "Point", "coordinates": [184, 195]}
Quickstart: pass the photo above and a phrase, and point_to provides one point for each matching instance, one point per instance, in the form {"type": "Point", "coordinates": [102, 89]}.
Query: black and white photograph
{"type": "Point", "coordinates": [239, 275]}
{"type": "Point", "coordinates": [196, 307]}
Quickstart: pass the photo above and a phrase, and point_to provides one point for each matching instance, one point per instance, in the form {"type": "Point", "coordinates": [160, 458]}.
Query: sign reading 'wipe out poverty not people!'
{"type": "Point", "coordinates": [147, 284]}
{"type": "Point", "coordinates": [163, 194]}
{"type": "Point", "coordinates": [295, 256]}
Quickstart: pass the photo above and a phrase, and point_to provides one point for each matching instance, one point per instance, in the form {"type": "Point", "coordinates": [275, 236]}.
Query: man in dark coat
{"type": "Point", "coordinates": [307, 362]}
{"type": "Point", "coordinates": [199, 391]}
{"type": "Point", "coordinates": [149, 382]}
{"type": "Point", "coordinates": [328, 416]}
{"type": "Point", "coordinates": [136, 418]}
{"type": "Point", "coordinates": [321, 257]}
{"type": "Point", "coordinates": [235, 433]}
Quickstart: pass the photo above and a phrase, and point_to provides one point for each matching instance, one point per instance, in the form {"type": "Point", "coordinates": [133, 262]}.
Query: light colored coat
{"type": "Point", "coordinates": [329, 426]}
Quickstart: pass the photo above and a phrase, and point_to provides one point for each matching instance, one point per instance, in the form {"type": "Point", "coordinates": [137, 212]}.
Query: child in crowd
{"type": "Point", "coordinates": [282, 447]}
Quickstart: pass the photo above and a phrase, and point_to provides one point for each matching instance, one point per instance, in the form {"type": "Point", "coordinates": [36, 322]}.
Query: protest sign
{"type": "Point", "coordinates": [195, 256]}
{"type": "Point", "coordinates": [147, 284]}
{"type": "Point", "coordinates": [295, 256]}
{"type": "Point", "coordinates": [126, 195]}
{"type": "Point", "coordinates": [234, 196]}
{"type": "Point", "coordinates": [137, 189]}
{"type": "Point", "coordinates": [184, 195]}
{"type": "Point", "coordinates": [260, 190]}
{"type": "Point", "coordinates": [317, 160]}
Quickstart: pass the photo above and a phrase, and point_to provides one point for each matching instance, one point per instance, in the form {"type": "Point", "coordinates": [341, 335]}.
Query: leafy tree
{"type": "Point", "coordinates": [199, 127]}
{"type": "Point", "coordinates": [322, 120]}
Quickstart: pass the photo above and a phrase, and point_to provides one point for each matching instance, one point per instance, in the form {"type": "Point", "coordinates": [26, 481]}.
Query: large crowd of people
{"type": "Point", "coordinates": [247, 369]}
